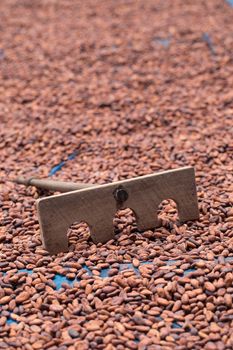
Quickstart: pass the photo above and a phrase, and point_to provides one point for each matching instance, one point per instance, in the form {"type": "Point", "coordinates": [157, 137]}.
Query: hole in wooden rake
{"type": "Point", "coordinates": [78, 234]}
{"type": "Point", "coordinates": [168, 213]}
{"type": "Point", "coordinates": [124, 221]}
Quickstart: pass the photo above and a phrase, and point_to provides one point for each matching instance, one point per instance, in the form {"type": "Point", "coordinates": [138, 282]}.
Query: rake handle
{"type": "Point", "coordinates": [52, 185]}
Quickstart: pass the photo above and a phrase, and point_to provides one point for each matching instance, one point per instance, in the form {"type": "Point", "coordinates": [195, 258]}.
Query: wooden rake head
{"type": "Point", "coordinates": [97, 206]}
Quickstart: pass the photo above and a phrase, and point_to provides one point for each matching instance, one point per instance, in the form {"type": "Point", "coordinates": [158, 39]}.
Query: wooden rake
{"type": "Point", "coordinates": [97, 204]}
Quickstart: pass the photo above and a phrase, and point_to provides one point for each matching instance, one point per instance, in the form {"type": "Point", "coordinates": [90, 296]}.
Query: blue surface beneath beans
{"type": "Point", "coordinates": [60, 279]}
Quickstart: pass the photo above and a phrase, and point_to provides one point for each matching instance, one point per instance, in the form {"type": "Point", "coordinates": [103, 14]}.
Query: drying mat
{"type": "Point", "coordinates": [102, 91]}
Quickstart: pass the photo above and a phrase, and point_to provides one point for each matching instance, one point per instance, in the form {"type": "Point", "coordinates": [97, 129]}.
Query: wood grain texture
{"type": "Point", "coordinates": [97, 206]}
{"type": "Point", "coordinates": [52, 185]}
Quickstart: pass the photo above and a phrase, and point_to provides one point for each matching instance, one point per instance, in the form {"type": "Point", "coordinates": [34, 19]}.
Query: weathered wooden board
{"type": "Point", "coordinates": [97, 206]}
